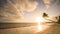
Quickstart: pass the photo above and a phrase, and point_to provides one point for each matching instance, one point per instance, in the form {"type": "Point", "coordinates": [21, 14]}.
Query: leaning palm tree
{"type": "Point", "coordinates": [45, 16]}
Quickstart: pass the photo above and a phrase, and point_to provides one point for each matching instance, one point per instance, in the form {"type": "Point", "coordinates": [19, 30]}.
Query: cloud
{"type": "Point", "coordinates": [27, 5]}
{"type": "Point", "coordinates": [47, 3]}
{"type": "Point", "coordinates": [11, 10]}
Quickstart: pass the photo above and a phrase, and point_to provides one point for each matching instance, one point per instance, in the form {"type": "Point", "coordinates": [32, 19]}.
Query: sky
{"type": "Point", "coordinates": [27, 10]}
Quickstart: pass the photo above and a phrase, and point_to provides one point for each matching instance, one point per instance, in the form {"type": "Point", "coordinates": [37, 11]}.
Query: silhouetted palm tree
{"type": "Point", "coordinates": [45, 15]}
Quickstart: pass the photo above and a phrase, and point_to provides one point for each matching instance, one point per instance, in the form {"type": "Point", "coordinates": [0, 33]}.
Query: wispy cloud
{"type": "Point", "coordinates": [13, 9]}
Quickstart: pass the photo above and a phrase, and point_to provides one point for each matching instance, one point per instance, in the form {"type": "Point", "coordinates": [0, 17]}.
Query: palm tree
{"type": "Point", "coordinates": [45, 16]}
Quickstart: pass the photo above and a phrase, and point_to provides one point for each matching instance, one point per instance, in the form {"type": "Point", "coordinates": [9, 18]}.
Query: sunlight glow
{"type": "Point", "coordinates": [39, 19]}
{"type": "Point", "coordinates": [39, 25]}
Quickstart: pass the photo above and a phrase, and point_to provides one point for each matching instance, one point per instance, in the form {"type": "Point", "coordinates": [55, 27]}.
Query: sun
{"type": "Point", "coordinates": [39, 20]}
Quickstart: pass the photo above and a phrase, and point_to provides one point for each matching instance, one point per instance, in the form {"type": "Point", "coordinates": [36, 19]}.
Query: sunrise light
{"type": "Point", "coordinates": [39, 20]}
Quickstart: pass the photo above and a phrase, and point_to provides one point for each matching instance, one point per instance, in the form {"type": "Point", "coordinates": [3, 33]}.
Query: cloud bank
{"type": "Point", "coordinates": [12, 10]}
